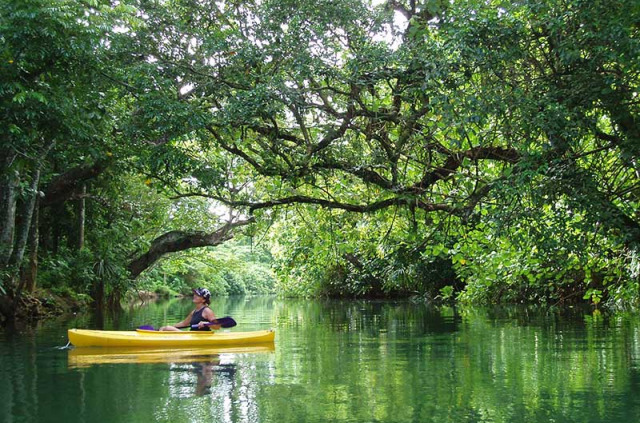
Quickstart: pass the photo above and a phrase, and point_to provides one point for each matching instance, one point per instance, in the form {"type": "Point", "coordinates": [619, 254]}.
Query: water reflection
{"type": "Point", "coordinates": [204, 376]}
{"type": "Point", "coordinates": [341, 361]}
{"type": "Point", "coordinates": [197, 379]}
{"type": "Point", "coordinates": [85, 357]}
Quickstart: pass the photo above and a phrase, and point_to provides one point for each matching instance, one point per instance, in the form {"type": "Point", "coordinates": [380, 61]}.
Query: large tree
{"type": "Point", "coordinates": [450, 130]}
{"type": "Point", "coordinates": [440, 109]}
{"type": "Point", "coordinates": [53, 113]}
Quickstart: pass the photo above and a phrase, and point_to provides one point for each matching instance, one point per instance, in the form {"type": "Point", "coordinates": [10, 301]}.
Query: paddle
{"type": "Point", "coordinates": [225, 322]}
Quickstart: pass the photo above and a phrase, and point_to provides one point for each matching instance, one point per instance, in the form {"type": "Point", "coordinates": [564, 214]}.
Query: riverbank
{"type": "Point", "coordinates": [45, 303]}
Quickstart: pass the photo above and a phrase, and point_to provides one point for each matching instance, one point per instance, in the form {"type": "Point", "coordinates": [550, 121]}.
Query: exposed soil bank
{"type": "Point", "coordinates": [45, 304]}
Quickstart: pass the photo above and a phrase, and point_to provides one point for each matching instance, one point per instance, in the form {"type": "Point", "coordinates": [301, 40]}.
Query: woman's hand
{"type": "Point", "coordinates": [203, 324]}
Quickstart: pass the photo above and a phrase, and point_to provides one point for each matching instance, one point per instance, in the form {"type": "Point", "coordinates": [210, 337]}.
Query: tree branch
{"type": "Point", "coordinates": [63, 187]}
{"type": "Point", "coordinates": [174, 241]}
{"type": "Point", "coordinates": [356, 208]}
{"type": "Point", "coordinates": [455, 160]}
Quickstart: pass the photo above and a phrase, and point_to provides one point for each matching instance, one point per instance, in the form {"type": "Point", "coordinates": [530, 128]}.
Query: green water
{"type": "Point", "coordinates": [340, 362]}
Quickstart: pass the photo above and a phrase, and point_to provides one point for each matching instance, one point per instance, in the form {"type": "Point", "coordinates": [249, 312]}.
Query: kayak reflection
{"type": "Point", "coordinates": [85, 357]}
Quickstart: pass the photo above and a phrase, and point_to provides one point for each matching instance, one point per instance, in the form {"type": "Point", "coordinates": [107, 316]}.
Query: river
{"type": "Point", "coordinates": [337, 361]}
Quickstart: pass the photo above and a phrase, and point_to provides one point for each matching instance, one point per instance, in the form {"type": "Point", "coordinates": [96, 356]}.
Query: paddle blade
{"type": "Point", "coordinates": [146, 327]}
{"type": "Point", "coordinates": [226, 322]}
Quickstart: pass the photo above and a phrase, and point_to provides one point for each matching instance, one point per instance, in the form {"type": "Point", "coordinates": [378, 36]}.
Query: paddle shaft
{"type": "Point", "coordinates": [224, 322]}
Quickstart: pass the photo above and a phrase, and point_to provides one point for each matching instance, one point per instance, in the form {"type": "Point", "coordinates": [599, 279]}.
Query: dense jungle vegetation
{"type": "Point", "coordinates": [479, 151]}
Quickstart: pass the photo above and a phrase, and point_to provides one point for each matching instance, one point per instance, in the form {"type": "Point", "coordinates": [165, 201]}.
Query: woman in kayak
{"type": "Point", "coordinates": [200, 316]}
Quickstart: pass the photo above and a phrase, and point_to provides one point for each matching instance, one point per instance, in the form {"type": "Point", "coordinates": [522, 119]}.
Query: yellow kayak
{"type": "Point", "coordinates": [84, 357]}
{"type": "Point", "coordinates": [143, 338]}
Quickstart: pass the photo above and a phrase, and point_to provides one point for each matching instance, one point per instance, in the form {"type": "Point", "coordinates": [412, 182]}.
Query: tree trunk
{"type": "Point", "coordinates": [179, 241]}
{"type": "Point", "coordinates": [23, 234]}
{"type": "Point", "coordinates": [98, 293]}
{"type": "Point", "coordinates": [81, 216]}
{"type": "Point", "coordinates": [56, 212]}
{"type": "Point", "coordinates": [8, 186]}
{"type": "Point", "coordinates": [21, 231]}
{"type": "Point", "coordinates": [26, 213]}
{"type": "Point", "coordinates": [30, 273]}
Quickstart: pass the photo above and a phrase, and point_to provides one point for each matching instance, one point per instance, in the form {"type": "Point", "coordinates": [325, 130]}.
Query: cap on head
{"type": "Point", "coordinates": [204, 293]}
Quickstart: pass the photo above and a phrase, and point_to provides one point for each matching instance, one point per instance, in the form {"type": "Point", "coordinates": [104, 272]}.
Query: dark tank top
{"type": "Point", "coordinates": [197, 318]}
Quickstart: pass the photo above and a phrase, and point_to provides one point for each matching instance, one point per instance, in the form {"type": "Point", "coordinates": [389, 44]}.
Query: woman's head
{"type": "Point", "coordinates": [203, 293]}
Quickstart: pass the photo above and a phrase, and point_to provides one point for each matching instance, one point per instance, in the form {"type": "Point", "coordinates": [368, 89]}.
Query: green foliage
{"type": "Point", "coordinates": [68, 292]}
{"type": "Point", "coordinates": [164, 291]}
{"type": "Point", "coordinates": [319, 252]}
{"type": "Point", "coordinates": [447, 293]}
{"type": "Point", "coordinates": [235, 268]}
{"type": "Point", "coordinates": [483, 151]}
{"type": "Point", "coordinates": [82, 273]}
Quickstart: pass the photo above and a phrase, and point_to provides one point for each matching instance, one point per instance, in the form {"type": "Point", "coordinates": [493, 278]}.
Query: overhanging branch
{"type": "Point", "coordinates": [175, 241]}
{"type": "Point", "coordinates": [355, 208]}
{"type": "Point", "coordinates": [64, 186]}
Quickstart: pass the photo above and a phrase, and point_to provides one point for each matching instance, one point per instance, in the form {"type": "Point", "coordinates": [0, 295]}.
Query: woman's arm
{"type": "Point", "coordinates": [207, 314]}
{"type": "Point", "coordinates": [180, 325]}
{"type": "Point", "coordinates": [185, 323]}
